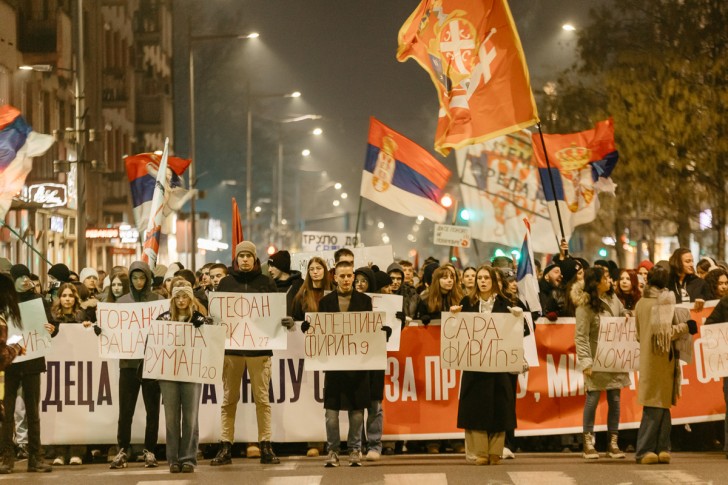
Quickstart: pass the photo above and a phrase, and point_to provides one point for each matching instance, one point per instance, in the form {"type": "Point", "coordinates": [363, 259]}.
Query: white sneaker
{"type": "Point", "coordinates": [373, 455]}
{"type": "Point", "coordinates": [508, 454]}
{"type": "Point", "coordinates": [59, 461]}
{"type": "Point", "coordinates": [75, 460]}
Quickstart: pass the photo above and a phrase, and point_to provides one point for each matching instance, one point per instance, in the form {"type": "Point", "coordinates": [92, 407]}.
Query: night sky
{"type": "Point", "coordinates": [341, 55]}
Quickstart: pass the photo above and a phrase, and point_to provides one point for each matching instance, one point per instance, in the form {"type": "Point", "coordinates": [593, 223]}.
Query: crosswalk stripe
{"type": "Point", "coordinates": [541, 477]}
{"type": "Point", "coordinates": [415, 479]}
{"type": "Point", "coordinates": [307, 480]}
{"type": "Point", "coordinates": [668, 476]}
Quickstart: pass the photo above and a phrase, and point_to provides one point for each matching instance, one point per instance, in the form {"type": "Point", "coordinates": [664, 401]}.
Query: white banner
{"type": "Point", "coordinates": [446, 235]}
{"type": "Point", "coordinates": [252, 321]}
{"type": "Point", "coordinates": [481, 342]}
{"type": "Point", "coordinates": [36, 339]}
{"type": "Point", "coordinates": [178, 351]}
{"type": "Point", "coordinates": [389, 304]}
{"type": "Point", "coordinates": [382, 256]}
{"type": "Point", "coordinates": [714, 346]}
{"type": "Point", "coordinates": [326, 241]}
{"type": "Point", "coordinates": [345, 341]}
{"type": "Point", "coordinates": [617, 347]}
{"type": "Point", "coordinates": [124, 327]}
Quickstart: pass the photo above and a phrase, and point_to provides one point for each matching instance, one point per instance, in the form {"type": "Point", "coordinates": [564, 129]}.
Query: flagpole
{"type": "Point", "coordinates": [358, 216]}
{"type": "Point", "coordinates": [551, 179]}
{"type": "Point", "coordinates": [25, 242]}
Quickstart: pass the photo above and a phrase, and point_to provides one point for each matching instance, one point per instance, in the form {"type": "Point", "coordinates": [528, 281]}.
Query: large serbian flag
{"type": "Point", "coordinates": [471, 50]}
{"type": "Point", "coordinates": [401, 175]}
{"type": "Point", "coordinates": [142, 172]}
{"type": "Point", "coordinates": [18, 145]}
{"type": "Point", "coordinates": [581, 165]}
{"type": "Point", "coordinates": [156, 212]}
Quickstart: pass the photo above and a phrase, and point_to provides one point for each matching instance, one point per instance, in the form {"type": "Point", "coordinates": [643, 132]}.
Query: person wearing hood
{"type": "Point", "coordinates": [287, 281]}
{"type": "Point", "coordinates": [410, 298]}
{"type": "Point", "coordinates": [140, 290]}
{"type": "Point", "coordinates": [364, 280]}
{"type": "Point", "coordinates": [248, 278]}
{"type": "Point", "coordinates": [593, 300]}
{"type": "Point", "coordinates": [25, 374]}
{"type": "Point", "coordinates": [659, 324]}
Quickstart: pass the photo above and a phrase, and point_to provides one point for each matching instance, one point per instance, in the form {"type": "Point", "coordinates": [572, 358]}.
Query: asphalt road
{"type": "Point", "coordinates": [526, 469]}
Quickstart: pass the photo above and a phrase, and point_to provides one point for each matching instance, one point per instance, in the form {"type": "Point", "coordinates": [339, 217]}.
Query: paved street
{"type": "Point", "coordinates": [526, 469]}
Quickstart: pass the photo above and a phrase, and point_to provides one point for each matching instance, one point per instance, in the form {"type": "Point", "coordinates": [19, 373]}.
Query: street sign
{"type": "Point", "coordinates": [452, 236]}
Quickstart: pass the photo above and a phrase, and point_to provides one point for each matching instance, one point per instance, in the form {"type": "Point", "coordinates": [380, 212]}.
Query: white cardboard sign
{"type": "Point", "coordinates": [252, 321]}
{"type": "Point", "coordinates": [617, 347]}
{"type": "Point", "coordinates": [124, 327]}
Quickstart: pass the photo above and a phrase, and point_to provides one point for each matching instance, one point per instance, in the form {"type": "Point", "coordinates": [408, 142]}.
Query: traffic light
{"type": "Point", "coordinates": [446, 201]}
{"type": "Point", "coordinates": [602, 252]}
{"type": "Point", "coordinates": [464, 215]}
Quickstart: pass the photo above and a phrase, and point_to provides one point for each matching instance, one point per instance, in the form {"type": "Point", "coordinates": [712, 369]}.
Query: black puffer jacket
{"type": "Point", "coordinates": [253, 281]}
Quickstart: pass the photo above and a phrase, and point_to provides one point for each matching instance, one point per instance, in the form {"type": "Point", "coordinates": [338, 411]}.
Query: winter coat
{"type": "Point", "coordinates": [487, 399]}
{"type": "Point", "coordinates": [7, 352]}
{"type": "Point", "coordinates": [586, 335]}
{"type": "Point", "coordinates": [253, 281]}
{"type": "Point", "coordinates": [136, 296]}
{"type": "Point", "coordinates": [290, 287]}
{"type": "Point", "coordinates": [720, 312]}
{"type": "Point", "coordinates": [660, 376]}
{"type": "Point", "coordinates": [346, 389]}
{"type": "Point", "coordinates": [696, 288]}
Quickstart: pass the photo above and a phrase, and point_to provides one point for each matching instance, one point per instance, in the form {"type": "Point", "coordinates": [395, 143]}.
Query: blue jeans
{"type": "Point", "coordinates": [181, 404]}
{"type": "Point", "coordinates": [590, 410]}
{"type": "Point", "coordinates": [333, 435]}
{"type": "Point", "coordinates": [654, 433]}
{"type": "Point", "coordinates": [375, 422]}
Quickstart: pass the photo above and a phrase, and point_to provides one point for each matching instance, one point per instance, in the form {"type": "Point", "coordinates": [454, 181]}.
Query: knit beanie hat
{"type": "Point", "coordinates": [569, 268]}
{"type": "Point", "coordinates": [548, 269]}
{"type": "Point", "coordinates": [19, 270]}
{"type": "Point", "coordinates": [249, 247]}
{"type": "Point", "coordinates": [428, 271]}
{"type": "Point", "coordinates": [87, 272]}
{"type": "Point", "coordinates": [60, 272]}
{"type": "Point", "coordinates": [187, 290]}
{"type": "Point", "coordinates": [647, 264]}
{"type": "Point", "coordinates": [383, 279]}
{"type": "Point", "coordinates": [281, 260]}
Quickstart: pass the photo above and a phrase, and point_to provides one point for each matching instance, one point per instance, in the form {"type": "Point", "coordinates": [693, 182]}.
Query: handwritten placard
{"type": "Point", "coordinates": [481, 342]}
{"type": "Point", "coordinates": [382, 256]}
{"type": "Point", "coordinates": [389, 304]}
{"type": "Point", "coordinates": [617, 347]}
{"type": "Point", "coordinates": [252, 321]}
{"type": "Point", "coordinates": [178, 351]}
{"type": "Point", "coordinates": [714, 347]}
{"type": "Point", "coordinates": [345, 341]}
{"type": "Point", "coordinates": [35, 337]}
{"type": "Point", "coordinates": [124, 327]}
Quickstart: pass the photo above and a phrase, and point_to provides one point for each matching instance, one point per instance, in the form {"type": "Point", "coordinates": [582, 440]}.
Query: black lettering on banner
{"type": "Point", "coordinates": [318, 387]}
{"type": "Point", "coordinates": [209, 394]}
{"type": "Point", "coordinates": [104, 395]}
{"type": "Point", "coordinates": [53, 386]}
{"type": "Point", "coordinates": [68, 383]}
{"type": "Point", "coordinates": [281, 381]}
{"type": "Point", "coordinates": [296, 378]}
{"type": "Point", "coordinates": [87, 400]}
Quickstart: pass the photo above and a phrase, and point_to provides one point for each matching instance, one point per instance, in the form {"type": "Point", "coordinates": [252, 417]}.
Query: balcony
{"type": "Point", "coordinates": [114, 92]}
{"type": "Point", "coordinates": [149, 113]}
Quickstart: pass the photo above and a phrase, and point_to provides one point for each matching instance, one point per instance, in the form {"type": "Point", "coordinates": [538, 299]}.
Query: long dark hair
{"type": "Point", "coordinates": [307, 294]}
{"type": "Point", "coordinates": [496, 287]}
{"type": "Point", "coordinates": [436, 301]}
{"type": "Point", "coordinates": [712, 280]}
{"type": "Point", "coordinates": [676, 264]}
{"type": "Point", "coordinates": [592, 279]}
{"type": "Point", "coordinates": [57, 309]}
{"type": "Point", "coordinates": [9, 308]}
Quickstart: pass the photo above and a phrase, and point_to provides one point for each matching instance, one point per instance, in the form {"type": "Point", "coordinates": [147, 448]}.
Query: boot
{"type": "Point", "coordinates": [267, 457]}
{"type": "Point", "coordinates": [590, 453]}
{"type": "Point", "coordinates": [7, 463]}
{"type": "Point", "coordinates": [223, 456]}
{"type": "Point", "coordinates": [613, 448]}
{"type": "Point", "coordinates": [36, 464]}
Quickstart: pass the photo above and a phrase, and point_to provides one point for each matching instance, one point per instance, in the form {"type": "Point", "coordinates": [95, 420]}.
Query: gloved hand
{"type": "Point", "coordinates": [287, 322]}
{"type": "Point", "coordinates": [692, 327]}
{"type": "Point", "coordinates": [97, 330]}
{"type": "Point", "coordinates": [426, 320]}
{"type": "Point", "coordinates": [516, 311]}
{"type": "Point", "coordinates": [552, 316]}
{"type": "Point", "coordinates": [387, 330]}
{"type": "Point", "coordinates": [198, 321]}
{"type": "Point", "coordinates": [305, 325]}
{"type": "Point", "coordinates": [401, 317]}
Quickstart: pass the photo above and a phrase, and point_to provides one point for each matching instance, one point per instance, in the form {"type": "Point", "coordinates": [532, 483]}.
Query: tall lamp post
{"type": "Point", "coordinates": [193, 171]}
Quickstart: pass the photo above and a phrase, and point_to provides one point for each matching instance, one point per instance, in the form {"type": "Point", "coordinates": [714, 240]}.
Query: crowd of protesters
{"type": "Point", "coordinates": [568, 287]}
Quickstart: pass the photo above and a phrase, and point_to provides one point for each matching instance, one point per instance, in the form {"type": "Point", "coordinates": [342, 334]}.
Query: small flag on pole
{"type": "Point", "coordinates": [237, 229]}
{"type": "Point", "coordinates": [526, 276]}
{"type": "Point", "coordinates": [156, 213]}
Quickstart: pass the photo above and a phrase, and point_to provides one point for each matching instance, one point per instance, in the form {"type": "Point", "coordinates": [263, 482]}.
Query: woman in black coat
{"type": "Point", "coordinates": [487, 406]}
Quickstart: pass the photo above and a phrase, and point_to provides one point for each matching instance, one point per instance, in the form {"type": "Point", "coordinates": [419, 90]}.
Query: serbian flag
{"type": "Point", "coordinates": [237, 231]}
{"type": "Point", "coordinates": [526, 276]}
{"type": "Point", "coordinates": [401, 175]}
{"type": "Point", "coordinates": [471, 50]}
{"type": "Point", "coordinates": [581, 165]}
{"type": "Point", "coordinates": [19, 144]}
{"type": "Point", "coordinates": [156, 213]}
{"type": "Point", "coordinates": [142, 171]}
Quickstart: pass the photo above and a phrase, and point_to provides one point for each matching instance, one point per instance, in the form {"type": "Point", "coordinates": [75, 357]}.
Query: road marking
{"type": "Point", "coordinates": [669, 476]}
{"type": "Point", "coordinates": [542, 478]}
{"type": "Point", "coordinates": [308, 480]}
{"type": "Point", "coordinates": [415, 479]}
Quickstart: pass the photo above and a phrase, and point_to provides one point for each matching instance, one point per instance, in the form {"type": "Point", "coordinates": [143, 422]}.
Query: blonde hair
{"type": "Point", "coordinates": [195, 304]}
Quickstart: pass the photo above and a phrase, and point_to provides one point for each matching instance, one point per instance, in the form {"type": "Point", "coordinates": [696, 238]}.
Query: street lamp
{"type": "Point", "coordinates": [191, 39]}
